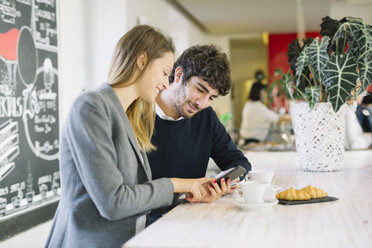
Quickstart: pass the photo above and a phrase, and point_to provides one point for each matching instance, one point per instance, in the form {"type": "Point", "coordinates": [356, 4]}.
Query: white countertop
{"type": "Point", "coordinates": [343, 223]}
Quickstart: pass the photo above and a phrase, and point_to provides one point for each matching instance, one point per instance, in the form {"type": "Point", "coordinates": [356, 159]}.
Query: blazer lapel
{"type": "Point", "coordinates": [147, 166]}
{"type": "Point", "coordinates": [142, 157]}
{"type": "Point", "coordinates": [128, 128]}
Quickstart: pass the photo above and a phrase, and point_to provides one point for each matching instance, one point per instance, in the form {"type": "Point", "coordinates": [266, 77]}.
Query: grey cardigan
{"type": "Point", "coordinates": [105, 178]}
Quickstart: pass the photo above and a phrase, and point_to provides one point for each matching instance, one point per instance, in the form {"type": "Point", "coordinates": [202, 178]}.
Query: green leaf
{"type": "Point", "coordinates": [340, 78]}
{"type": "Point", "coordinates": [318, 56]}
{"type": "Point", "coordinates": [313, 93]}
{"type": "Point", "coordinates": [329, 26]}
{"type": "Point", "coordinates": [352, 25]}
{"type": "Point", "coordinates": [365, 71]}
{"type": "Point", "coordinates": [294, 50]}
{"type": "Point", "coordinates": [288, 84]}
{"type": "Point", "coordinates": [348, 31]}
{"type": "Point", "coordinates": [301, 63]}
{"type": "Point", "coordinates": [364, 43]}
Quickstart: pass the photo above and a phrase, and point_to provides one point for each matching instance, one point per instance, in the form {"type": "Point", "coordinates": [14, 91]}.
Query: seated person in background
{"type": "Point", "coordinates": [355, 138]}
{"type": "Point", "coordinates": [187, 130]}
{"type": "Point", "coordinates": [256, 117]}
{"type": "Point", "coordinates": [364, 112]}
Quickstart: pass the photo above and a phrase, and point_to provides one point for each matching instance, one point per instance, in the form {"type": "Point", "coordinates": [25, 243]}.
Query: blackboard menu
{"type": "Point", "coordinates": [29, 114]}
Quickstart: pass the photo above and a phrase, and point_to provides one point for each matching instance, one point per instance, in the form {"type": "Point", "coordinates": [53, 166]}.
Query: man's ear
{"type": "Point", "coordinates": [178, 74]}
{"type": "Point", "coordinates": [141, 61]}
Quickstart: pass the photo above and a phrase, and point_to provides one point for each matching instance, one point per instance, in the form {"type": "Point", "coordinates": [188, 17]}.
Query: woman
{"type": "Point", "coordinates": [106, 187]}
{"type": "Point", "coordinates": [256, 117]}
{"type": "Point", "coordinates": [355, 137]}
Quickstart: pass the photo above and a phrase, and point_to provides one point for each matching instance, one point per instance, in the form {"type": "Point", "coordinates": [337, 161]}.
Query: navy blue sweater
{"type": "Point", "coordinates": [184, 147]}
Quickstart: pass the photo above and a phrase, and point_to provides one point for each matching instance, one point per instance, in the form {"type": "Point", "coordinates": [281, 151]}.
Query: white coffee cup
{"type": "Point", "coordinates": [253, 191]}
{"type": "Point", "coordinates": [262, 176]}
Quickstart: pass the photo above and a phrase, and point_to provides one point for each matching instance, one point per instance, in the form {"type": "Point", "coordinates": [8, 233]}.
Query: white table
{"type": "Point", "coordinates": [343, 223]}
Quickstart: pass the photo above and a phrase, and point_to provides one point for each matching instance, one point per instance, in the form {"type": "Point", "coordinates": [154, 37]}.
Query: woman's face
{"type": "Point", "coordinates": [263, 95]}
{"type": "Point", "coordinates": [155, 77]}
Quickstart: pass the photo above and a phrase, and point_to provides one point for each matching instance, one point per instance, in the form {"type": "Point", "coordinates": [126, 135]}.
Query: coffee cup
{"type": "Point", "coordinates": [254, 191]}
{"type": "Point", "coordinates": [262, 176]}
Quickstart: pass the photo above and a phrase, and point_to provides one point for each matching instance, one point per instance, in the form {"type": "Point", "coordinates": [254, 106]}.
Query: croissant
{"type": "Point", "coordinates": [314, 192]}
{"type": "Point", "coordinates": [293, 194]}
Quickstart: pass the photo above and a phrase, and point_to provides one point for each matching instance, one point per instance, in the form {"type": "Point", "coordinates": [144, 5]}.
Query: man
{"type": "Point", "coordinates": [187, 130]}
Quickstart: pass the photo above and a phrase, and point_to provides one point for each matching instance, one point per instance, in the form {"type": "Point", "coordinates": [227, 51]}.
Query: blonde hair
{"type": "Point", "coordinates": [141, 38]}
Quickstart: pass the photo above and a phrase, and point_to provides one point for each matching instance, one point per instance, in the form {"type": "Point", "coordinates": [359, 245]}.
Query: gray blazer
{"type": "Point", "coordinates": [105, 178]}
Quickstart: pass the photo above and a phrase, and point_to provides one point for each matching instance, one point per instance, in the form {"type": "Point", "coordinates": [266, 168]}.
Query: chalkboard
{"type": "Point", "coordinates": [29, 114]}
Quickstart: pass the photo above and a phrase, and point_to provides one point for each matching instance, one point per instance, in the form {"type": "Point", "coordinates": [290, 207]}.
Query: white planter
{"type": "Point", "coordinates": [320, 135]}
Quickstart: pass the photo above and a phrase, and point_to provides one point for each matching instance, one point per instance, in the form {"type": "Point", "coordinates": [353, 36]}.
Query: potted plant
{"type": "Point", "coordinates": [326, 73]}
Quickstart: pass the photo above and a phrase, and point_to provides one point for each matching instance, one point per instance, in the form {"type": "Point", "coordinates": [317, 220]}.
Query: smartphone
{"type": "Point", "coordinates": [231, 173]}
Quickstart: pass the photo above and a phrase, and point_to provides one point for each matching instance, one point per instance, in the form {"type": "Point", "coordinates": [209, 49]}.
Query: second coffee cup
{"type": "Point", "coordinates": [253, 191]}
{"type": "Point", "coordinates": [262, 176]}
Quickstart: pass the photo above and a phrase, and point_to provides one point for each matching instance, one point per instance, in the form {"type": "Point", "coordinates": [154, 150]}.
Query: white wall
{"type": "Point", "coordinates": [70, 56]}
{"type": "Point", "coordinates": [105, 22]}
{"type": "Point", "coordinates": [339, 9]}
{"type": "Point", "coordinates": [179, 31]}
{"type": "Point", "coordinates": [153, 12]}
{"type": "Point", "coordinates": [88, 32]}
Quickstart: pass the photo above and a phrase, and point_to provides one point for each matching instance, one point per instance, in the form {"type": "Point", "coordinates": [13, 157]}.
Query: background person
{"type": "Point", "coordinates": [256, 117]}
{"type": "Point", "coordinates": [364, 112]}
{"type": "Point", "coordinates": [355, 137]}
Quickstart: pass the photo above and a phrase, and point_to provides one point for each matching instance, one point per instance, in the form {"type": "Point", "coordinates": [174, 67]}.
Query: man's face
{"type": "Point", "coordinates": [194, 96]}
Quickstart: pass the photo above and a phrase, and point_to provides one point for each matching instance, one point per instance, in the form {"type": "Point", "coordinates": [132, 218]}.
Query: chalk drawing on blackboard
{"type": "Point", "coordinates": [45, 28]}
{"type": "Point", "coordinates": [9, 146]}
{"type": "Point", "coordinates": [26, 56]}
{"type": "Point", "coordinates": [29, 173]}
{"type": "Point", "coordinates": [40, 113]}
{"type": "Point", "coordinates": [8, 61]}
{"type": "Point", "coordinates": [30, 193]}
{"type": "Point", "coordinates": [3, 202]}
{"type": "Point", "coordinates": [48, 77]}
{"type": "Point", "coordinates": [8, 11]}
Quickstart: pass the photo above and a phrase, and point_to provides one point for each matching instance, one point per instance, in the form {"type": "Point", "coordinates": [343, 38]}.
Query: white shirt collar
{"type": "Point", "coordinates": [163, 116]}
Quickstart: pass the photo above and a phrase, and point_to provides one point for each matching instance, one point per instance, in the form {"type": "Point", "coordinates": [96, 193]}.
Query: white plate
{"type": "Point", "coordinates": [266, 206]}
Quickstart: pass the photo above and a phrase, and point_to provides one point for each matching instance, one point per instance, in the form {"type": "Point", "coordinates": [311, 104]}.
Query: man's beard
{"type": "Point", "coordinates": [182, 109]}
{"type": "Point", "coordinates": [181, 103]}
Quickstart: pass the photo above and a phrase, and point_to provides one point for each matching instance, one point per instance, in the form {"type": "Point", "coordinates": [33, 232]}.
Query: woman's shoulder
{"type": "Point", "coordinates": [98, 100]}
{"type": "Point", "coordinates": [97, 96]}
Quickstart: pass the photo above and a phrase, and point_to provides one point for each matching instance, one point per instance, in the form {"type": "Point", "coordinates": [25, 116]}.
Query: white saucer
{"type": "Point", "coordinates": [266, 206]}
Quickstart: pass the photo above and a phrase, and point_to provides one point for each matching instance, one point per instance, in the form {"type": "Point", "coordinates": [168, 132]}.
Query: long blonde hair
{"type": "Point", "coordinates": [141, 38]}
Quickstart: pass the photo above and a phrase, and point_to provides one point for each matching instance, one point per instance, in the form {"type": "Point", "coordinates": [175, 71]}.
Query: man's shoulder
{"type": "Point", "coordinates": [207, 112]}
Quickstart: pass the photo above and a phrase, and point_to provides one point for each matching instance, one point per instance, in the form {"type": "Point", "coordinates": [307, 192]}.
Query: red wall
{"type": "Point", "coordinates": [278, 47]}
{"type": "Point", "coordinates": [277, 51]}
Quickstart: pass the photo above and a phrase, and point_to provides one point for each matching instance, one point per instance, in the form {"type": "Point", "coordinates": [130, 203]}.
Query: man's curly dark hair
{"type": "Point", "coordinates": [208, 63]}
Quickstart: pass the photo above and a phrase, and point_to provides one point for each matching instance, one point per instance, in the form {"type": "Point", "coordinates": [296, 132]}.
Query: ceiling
{"type": "Point", "coordinates": [225, 17]}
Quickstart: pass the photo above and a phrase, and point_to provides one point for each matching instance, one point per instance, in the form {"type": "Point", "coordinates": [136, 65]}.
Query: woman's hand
{"type": "Point", "coordinates": [215, 191]}
{"type": "Point", "coordinates": [193, 188]}
{"type": "Point", "coordinates": [202, 189]}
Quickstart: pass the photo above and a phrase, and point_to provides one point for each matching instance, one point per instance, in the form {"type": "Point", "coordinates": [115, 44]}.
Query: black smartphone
{"type": "Point", "coordinates": [231, 174]}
